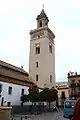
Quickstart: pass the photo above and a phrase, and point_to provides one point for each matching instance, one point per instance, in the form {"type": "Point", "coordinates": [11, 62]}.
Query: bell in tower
{"type": "Point", "coordinates": [42, 19]}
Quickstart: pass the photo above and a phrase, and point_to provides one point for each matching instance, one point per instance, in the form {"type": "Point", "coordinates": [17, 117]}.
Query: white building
{"type": "Point", "coordinates": [14, 82]}
{"type": "Point", "coordinates": [11, 93]}
{"type": "Point", "coordinates": [42, 53]}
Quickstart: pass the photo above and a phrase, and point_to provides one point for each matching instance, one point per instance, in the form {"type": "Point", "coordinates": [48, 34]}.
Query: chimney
{"type": "Point", "coordinates": [21, 67]}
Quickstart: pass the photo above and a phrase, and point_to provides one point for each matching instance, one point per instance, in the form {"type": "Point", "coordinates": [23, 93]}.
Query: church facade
{"type": "Point", "coordinates": [42, 53]}
{"type": "Point", "coordinates": [14, 82]}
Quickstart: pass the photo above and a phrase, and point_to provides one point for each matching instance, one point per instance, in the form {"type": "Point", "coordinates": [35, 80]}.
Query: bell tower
{"type": "Point", "coordinates": [42, 20]}
{"type": "Point", "coordinates": [42, 53]}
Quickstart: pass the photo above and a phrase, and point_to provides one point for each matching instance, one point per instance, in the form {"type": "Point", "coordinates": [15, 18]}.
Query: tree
{"type": "Point", "coordinates": [48, 95]}
{"type": "Point", "coordinates": [34, 94]}
{"type": "Point", "coordinates": [24, 98]}
{"type": "Point", "coordinates": [52, 96]}
{"type": "Point", "coordinates": [43, 94]}
{"type": "Point", "coordinates": [55, 92]}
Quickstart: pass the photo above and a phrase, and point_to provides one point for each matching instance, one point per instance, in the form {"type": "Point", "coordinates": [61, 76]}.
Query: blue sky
{"type": "Point", "coordinates": [18, 17]}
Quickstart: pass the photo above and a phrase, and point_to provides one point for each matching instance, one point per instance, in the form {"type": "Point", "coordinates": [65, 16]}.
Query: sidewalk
{"type": "Point", "coordinates": [45, 116]}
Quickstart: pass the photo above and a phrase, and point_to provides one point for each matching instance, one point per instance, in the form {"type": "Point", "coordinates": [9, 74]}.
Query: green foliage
{"type": "Point", "coordinates": [48, 95]}
{"type": "Point", "coordinates": [33, 94]}
{"type": "Point", "coordinates": [24, 98]}
{"type": "Point", "coordinates": [43, 94]}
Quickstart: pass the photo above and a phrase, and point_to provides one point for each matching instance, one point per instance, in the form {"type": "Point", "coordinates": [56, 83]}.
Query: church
{"type": "Point", "coordinates": [15, 81]}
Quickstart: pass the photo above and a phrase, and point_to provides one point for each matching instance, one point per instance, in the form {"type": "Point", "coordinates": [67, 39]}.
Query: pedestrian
{"type": "Point", "coordinates": [76, 115]}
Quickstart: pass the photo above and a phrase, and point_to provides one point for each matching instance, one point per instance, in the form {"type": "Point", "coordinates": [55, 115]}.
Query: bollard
{"type": "Point", "coordinates": [21, 118]}
{"type": "Point", "coordinates": [25, 117]}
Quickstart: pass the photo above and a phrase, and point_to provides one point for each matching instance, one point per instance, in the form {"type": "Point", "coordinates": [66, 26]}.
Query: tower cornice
{"type": "Point", "coordinates": [42, 29]}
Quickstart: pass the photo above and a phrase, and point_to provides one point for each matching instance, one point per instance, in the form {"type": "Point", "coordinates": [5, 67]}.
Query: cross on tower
{"type": "Point", "coordinates": [43, 6]}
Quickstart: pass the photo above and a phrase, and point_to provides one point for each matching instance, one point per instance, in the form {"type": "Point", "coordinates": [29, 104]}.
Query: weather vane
{"type": "Point", "coordinates": [43, 6]}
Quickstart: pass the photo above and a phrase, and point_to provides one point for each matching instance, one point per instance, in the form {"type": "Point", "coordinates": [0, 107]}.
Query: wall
{"type": "Point", "coordinates": [66, 94]}
{"type": "Point", "coordinates": [16, 93]}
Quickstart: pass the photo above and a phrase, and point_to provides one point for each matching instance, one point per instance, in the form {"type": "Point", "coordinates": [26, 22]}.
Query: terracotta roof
{"type": "Point", "coordinates": [42, 15]}
{"type": "Point", "coordinates": [62, 87]}
{"type": "Point", "coordinates": [10, 66]}
{"type": "Point", "coordinates": [14, 72]}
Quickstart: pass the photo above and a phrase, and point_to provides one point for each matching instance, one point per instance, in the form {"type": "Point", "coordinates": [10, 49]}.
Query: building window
{"type": "Point", "coordinates": [10, 90]}
{"type": "Point", "coordinates": [40, 23]}
{"type": "Point", "coordinates": [22, 92]}
{"type": "Point", "coordinates": [38, 50]}
{"type": "Point", "coordinates": [50, 48]}
{"type": "Point", "coordinates": [51, 78]}
{"type": "Point", "coordinates": [0, 88]}
{"type": "Point", "coordinates": [37, 64]}
{"type": "Point", "coordinates": [8, 103]}
{"type": "Point", "coordinates": [37, 77]}
{"type": "Point", "coordinates": [2, 101]}
{"type": "Point", "coordinates": [46, 23]}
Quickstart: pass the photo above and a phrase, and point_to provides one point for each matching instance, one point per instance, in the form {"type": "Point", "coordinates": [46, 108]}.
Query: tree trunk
{"type": "Point", "coordinates": [49, 104]}
{"type": "Point", "coordinates": [57, 102]}
{"type": "Point", "coordinates": [32, 103]}
{"type": "Point", "coordinates": [22, 104]}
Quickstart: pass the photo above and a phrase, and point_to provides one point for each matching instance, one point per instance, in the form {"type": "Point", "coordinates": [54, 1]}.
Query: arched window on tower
{"type": "Point", "coordinates": [40, 23]}
{"type": "Point", "coordinates": [46, 23]}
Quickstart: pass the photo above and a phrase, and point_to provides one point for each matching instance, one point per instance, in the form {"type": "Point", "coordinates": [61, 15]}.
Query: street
{"type": "Point", "coordinates": [46, 116]}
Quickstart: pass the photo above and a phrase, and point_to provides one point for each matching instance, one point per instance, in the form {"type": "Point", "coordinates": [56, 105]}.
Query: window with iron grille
{"type": "Point", "coordinates": [0, 88]}
{"type": "Point", "coordinates": [10, 90]}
